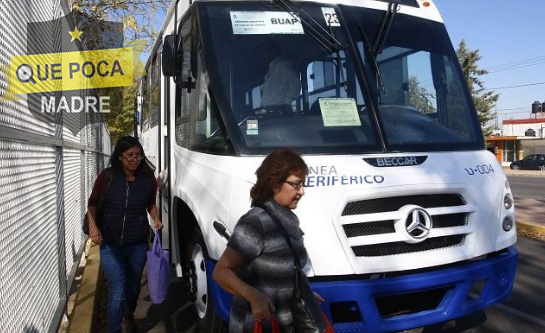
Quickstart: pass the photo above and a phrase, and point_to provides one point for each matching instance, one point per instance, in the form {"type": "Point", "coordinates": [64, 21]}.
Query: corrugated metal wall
{"type": "Point", "coordinates": [46, 176]}
{"type": "Point", "coordinates": [532, 146]}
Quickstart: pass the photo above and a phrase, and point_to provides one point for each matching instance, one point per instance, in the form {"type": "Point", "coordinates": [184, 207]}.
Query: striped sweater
{"type": "Point", "coordinates": [269, 265]}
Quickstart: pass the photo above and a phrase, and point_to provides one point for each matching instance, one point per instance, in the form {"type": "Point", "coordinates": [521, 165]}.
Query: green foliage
{"type": "Point", "coordinates": [122, 123]}
{"type": "Point", "coordinates": [419, 97]}
{"type": "Point", "coordinates": [139, 18]}
{"type": "Point", "coordinates": [483, 99]}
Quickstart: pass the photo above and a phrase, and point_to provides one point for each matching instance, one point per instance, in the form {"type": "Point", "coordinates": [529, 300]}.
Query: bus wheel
{"type": "Point", "coordinates": [208, 321]}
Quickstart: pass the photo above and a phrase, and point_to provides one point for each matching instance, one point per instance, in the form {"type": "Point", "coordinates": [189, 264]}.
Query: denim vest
{"type": "Point", "coordinates": [125, 219]}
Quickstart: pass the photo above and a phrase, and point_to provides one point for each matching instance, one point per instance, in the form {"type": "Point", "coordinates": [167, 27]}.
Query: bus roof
{"type": "Point", "coordinates": [421, 8]}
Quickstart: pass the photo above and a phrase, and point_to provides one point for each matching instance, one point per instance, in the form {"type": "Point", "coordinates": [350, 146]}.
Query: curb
{"type": "Point", "coordinates": [88, 297]}
{"type": "Point", "coordinates": [531, 227]}
{"type": "Point", "coordinates": [524, 173]}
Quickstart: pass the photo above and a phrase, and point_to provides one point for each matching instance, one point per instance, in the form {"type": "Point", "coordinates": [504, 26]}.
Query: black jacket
{"type": "Point", "coordinates": [125, 219]}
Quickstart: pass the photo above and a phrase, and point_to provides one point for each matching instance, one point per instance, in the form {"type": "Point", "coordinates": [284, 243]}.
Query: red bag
{"type": "Point", "coordinates": [258, 327]}
{"type": "Point", "coordinates": [328, 324]}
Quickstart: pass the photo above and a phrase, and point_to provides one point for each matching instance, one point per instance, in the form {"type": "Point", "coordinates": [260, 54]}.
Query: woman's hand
{"type": "Point", "coordinates": [157, 224]}
{"type": "Point", "coordinates": [318, 297]}
{"type": "Point", "coordinates": [95, 234]}
{"type": "Point", "coordinates": [262, 306]}
{"type": "Point", "coordinates": [224, 274]}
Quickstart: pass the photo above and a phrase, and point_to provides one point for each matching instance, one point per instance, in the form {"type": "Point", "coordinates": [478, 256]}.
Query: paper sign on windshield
{"type": "Point", "coordinates": [265, 23]}
{"type": "Point", "coordinates": [339, 112]}
{"type": "Point", "coordinates": [330, 17]}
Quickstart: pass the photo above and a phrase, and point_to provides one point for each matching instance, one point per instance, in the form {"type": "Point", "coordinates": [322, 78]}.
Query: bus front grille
{"type": "Point", "coordinates": [389, 204]}
{"type": "Point", "coordinates": [388, 249]}
{"type": "Point", "coordinates": [377, 227]}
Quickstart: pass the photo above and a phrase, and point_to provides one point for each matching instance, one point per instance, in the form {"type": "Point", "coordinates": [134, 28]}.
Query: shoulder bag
{"type": "Point", "coordinates": [307, 314]}
{"type": "Point", "coordinates": [158, 271]}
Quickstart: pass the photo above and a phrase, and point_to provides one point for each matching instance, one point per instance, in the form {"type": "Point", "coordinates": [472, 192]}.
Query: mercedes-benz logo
{"type": "Point", "coordinates": [418, 224]}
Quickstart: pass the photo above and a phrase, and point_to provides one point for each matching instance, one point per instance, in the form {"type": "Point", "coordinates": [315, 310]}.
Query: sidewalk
{"type": "Point", "coordinates": [89, 307]}
{"type": "Point", "coordinates": [530, 217]}
{"type": "Point", "coordinates": [529, 213]}
{"type": "Point", "coordinates": [524, 173]}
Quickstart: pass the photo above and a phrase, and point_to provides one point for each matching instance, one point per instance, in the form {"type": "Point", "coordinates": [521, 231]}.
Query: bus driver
{"type": "Point", "coordinates": [282, 83]}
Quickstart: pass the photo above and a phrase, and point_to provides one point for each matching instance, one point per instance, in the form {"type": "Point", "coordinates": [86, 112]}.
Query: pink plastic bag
{"type": "Point", "coordinates": [158, 271]}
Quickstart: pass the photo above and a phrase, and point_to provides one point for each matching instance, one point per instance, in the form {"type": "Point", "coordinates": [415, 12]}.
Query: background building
{"type": "Point", "coordinates": [519, 137]}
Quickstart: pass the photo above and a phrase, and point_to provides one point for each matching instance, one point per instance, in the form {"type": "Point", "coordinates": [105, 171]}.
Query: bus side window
{"type": "Point", "coordinates": [140, 105]}
{"type": "Point", "coordinates": [206, 133]}
{"type": "Point", "coordinates": [155, 91]}
{"type": "Point", "coordinates": [145, 103]}
{"type": "Point", "coordinates": [182, 96]}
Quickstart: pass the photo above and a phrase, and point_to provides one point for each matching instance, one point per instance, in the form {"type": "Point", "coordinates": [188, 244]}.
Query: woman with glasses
{"type": "Point", "coordinates": [121, 227]}
{"type": "Point", "coordinates": [258, 266]}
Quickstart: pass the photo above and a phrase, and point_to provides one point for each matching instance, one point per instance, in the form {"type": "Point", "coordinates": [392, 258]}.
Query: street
{"type": "Point", "coordinates": [523, 312]}
{"type": "Point", "coordinates": [527, 187]}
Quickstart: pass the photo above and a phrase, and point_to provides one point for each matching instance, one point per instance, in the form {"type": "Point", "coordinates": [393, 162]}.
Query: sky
{"type": "Point", "coordinates": [510, 37]}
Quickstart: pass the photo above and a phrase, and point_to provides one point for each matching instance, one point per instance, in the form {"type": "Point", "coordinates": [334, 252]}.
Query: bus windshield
{"type": "Point", "coordinates": [302, 78]}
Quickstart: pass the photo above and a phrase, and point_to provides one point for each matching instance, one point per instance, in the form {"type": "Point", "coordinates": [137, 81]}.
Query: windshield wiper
{"type": "Point", "coordinates": [386, 25]}
{"type": "Point", "coordinates": [382, 35]}
{"type": "Point", "coordinates": [370, 54]}
{"type": "Point", "coordinates": [320, 35]}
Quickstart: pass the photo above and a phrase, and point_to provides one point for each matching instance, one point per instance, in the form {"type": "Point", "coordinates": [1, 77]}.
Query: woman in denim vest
{"type": "Point", "coordinates": [122, 229]}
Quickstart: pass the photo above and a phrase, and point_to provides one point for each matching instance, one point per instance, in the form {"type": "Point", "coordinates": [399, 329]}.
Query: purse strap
{"type": "Point", "coordinates": [157, 247]}
{"type": "Point", "coordinates": [107, 182]}
{"type": "Point", "coordinates": [296, 260]}
{"type": "Point", "coordinates": [108, 178]}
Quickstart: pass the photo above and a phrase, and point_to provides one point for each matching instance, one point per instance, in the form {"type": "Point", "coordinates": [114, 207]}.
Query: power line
{"type": "Point", "coordinates": [519, 86]}
{"type": "Point", "coordinates": [515, 67]}
{"type": "Point", "coordinates": [516, 63]}
{"type": "Point", "coordinates": [510, 109]}
{"type": "Point", "coordinates": [506, 113]}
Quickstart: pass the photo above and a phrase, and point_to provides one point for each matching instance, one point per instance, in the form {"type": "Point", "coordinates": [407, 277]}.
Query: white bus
{"type": "Point", "coordinates": [408, 219]}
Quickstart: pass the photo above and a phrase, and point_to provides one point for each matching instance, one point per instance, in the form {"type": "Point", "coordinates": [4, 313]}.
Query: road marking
{"type": "Point", "coordinates": [521, 314]}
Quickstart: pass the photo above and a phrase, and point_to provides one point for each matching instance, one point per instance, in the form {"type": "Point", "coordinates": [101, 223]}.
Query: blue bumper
{"type": "Point", "coordinates": [368, 300]}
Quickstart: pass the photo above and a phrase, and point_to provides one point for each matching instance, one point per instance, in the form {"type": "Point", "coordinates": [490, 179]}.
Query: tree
{"type": "Point", "coordinates": [121, 123]}
{"type": "Point", "coordinates": [139, 18]}
{"type": "Point", "coordinates": [484, 99]}
{"type": "Point", "coordinates": [419, 96]}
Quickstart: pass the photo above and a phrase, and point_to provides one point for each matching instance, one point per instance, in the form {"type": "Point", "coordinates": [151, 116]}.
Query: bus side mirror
{"type": "Point", "coordinates": [171, 52]}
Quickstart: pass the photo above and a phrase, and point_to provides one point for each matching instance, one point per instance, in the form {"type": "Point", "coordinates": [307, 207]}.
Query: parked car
{"type": "Point", "coordinates": [530, 162]}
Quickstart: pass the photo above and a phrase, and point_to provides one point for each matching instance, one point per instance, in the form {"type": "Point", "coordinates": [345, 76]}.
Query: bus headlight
{"type": "Point", "coordinates": [507, 223]}
{"type": "Point", "coordinates": [508, 201]}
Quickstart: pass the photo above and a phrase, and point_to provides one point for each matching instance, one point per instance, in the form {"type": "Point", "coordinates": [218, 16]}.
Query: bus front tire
{"type": "Point", "coordinates": [197, 255]}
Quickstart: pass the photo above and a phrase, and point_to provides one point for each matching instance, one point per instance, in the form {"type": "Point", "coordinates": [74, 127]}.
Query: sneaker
{"type": "Point", "coordinates": [129, 324]}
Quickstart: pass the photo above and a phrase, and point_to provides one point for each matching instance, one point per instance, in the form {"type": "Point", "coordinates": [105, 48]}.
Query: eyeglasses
{"type": "Point", "coordinates": [134, 157]}
{"type": "Point", "coordinates": [296, 185]}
